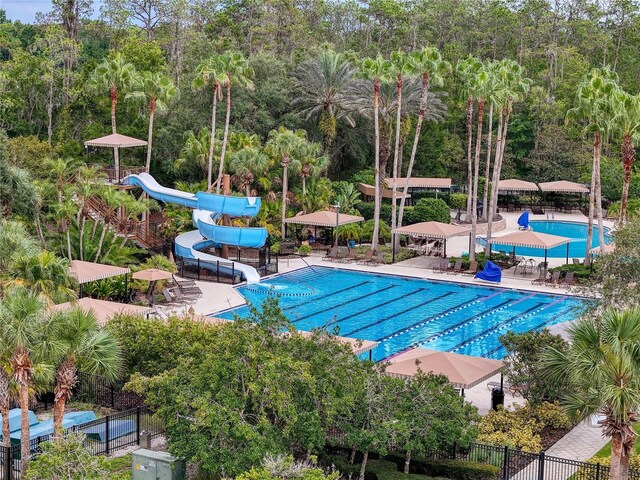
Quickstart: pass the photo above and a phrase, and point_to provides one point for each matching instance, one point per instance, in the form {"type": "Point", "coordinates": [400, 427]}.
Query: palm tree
{"type": "Point", "coordinates": [432, 68]}
{"type": "Point", "coordinates": [238, 72]}
{"type": "Point", "coordinates": [246, 164]}
{"type": "Point", "coordinates": [311, 163]}
{"type": "Point", "coordinates": [61, 171]}
{"type": "Point", "coordinates": [15, 241]}
{"type": "Point", "coordinates": [43, 273]}
{"type": "Point", "coordinates": [24, 330]}
{"type": "Point", "coordinates": [195, 151]}
{"type": "Point", "coordinates": [378, 71]}
{"type": "Point", "coordinates": [114, 75]}
{"type": "Point", "coordinates": [467, 69]}
{"type": "Point", "coordinates": [88, 184]}
{"type": "Point", "coordinates": [626, 123]}
{"type": "Point", "coordinates": [157, 90]}
{"type": "Point", "coordinates": [602, 366]}
{"type": "Point", "coordinates": [284, 145]}
{"type": "Point", "coordinates": [323, 85]}
{"type": "Point", "coordinates": [346, 195]}
{"type": "Point", "coordinates": [82, 343]}
{"type": "Point", "coordinates": [594, 104]}
{"type": "Point", "coordinates": [211, 73]}
{"type": "Point", "coordinates": [493, 97]}
{"type": "Point", "coordinates": [64, 212]}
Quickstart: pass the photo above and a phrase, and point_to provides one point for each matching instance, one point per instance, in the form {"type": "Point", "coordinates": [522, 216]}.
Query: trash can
{"type": "Point", "coordinates": [497, 398]}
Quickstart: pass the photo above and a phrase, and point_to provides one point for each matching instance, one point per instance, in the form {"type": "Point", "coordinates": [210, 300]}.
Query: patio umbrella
{"type": "Point", "coordinates": [152, 275]}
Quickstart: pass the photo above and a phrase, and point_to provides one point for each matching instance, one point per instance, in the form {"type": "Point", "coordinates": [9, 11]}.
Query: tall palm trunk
{"type": "Point", "coordinates": [592, 197]}
{"type": "Point", "coordinates": [66, 377]}
{"type": "Point", "coordinates": [628, 154]}
{"type": "Point", "coordinates": [469, 156]}
{"type": "Point", "coordinates": [376, 205]}
{"type": "Point", "coordinates": [285, 187]}
{"type": "Point", "coordinates": [476, 173]}
{"type": "Point", "coordinates": [81, 237]}
{"type": "Point", "coordinates": [493, 203]}
{"type": "Point", "coordinates": [487, 167]}
{"type": "Point", "coordinates": [113, 93]}
{"type": "Point", "coordinates": [101, 241]}
{"type": "Point", "coordinates": [152, 114]}
{"type": "Point", "coordinates": [226, 134]}
{"type": "Point", "coordinates": [619, 458]}
{"type": "Point", "coordinates": [4, 406]}
{"type": "Point", "coordinates": [363, 465]}
{"type": "Point", "coordinates": [598, 185]}
{"type": "Point", "coordinates": [424, 94]}
{"type": "Point", "coordinates": [396, 156]}
{"type": "Point", "coordinates": [22, 372]}
{"type": "Point", "coordinates": [68, 235]}
{"type": "Point", "coordinates": [216, 91]}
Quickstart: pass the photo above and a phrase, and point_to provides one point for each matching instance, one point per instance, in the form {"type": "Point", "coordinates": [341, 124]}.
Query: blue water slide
{"type": "Point", "coordinates": [238, 236]}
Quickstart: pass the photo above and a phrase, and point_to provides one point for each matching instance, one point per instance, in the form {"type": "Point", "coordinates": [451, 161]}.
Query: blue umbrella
{"type": "Point", "coordinates": [523, 220]}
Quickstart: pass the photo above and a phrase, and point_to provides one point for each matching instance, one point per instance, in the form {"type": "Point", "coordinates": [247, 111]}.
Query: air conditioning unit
{"type": "Point", "coordinates": [150, 465]}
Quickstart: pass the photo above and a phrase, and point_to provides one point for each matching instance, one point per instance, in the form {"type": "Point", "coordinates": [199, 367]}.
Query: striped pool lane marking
{"type": "Point", "coordinates": [323, 297]}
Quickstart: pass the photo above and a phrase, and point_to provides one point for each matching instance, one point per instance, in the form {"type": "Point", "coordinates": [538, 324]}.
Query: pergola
{"type": "Point", "coordinates": [463, 371]}
{"type": "Point", "coordinates": [531, 239]}
{"type": "Point", "coordinates": [102, 309]}
{"type": "Point", "coordinates": [324, 218]}
{"type": "Point", "coordinates": [422, 183]}
{"type": "Point", "coordinates": [115, 141]}
{"type": "Point", "coordinates": [564, 186]}
{"type": "Point", "coordinates": [432, 230]}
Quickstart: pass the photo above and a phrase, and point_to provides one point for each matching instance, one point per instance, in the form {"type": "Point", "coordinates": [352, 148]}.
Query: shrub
{"type": "Point", "coordinates": [428, 210]}
{"type": "Point", "coordinates": [386, 470]}
{"type": "Point", "coordinates": [580, 271]}
{"type": "Point", "coordinates": [366, 210]}
{"type": "Point", "coordinates": [461, 469]}
{"type": "Point", "coordinates": [304, 250]}
{"type": "Point", "coordinates": [481, 258]}
{"type": "Point", "coordinates": [275, 248]}
{"type": "Point", "coordinates": [633, 209]}
{"type": "Point", "coordinates": [585, 473]}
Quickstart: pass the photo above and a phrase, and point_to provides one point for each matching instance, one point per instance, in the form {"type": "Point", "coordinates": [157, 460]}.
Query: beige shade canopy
{"type": "Point", "coordinates": [152, 275]}
{"type": "Point", "coordinates": [418, 182]}
{"type": "Point", "coordinates": [370, 191]}
{"type": "Point", "coordinates": [563, 186]}
{"type": "Point", "coordinates": [103, 310]}
{"type": "Point", "coordinates": [432, 230]}
{"type": "Point", "coordinates": [115, 140]}
{"type": "Point", "coordinates": [608, 248]}
{"type": "Point", "coordinates": [463, 371]}
{"type": "Point", "coordinates": [90, 272]}
{"type": "Point", "coordinates": [530, 239]}
{"type": "Point", "coordinates": [516, 185]}
{"type": "Point", "coordinates": [358, 346]}
{"type": "Point", "coordinates": [323, 218]}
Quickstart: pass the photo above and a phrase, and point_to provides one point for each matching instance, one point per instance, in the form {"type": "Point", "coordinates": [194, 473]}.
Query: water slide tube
{"type": "Point", "coordinates": [207, 209]}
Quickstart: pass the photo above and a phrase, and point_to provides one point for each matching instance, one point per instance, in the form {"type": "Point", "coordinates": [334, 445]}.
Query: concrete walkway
{"type": "Point", "coordinates": [580, 444]}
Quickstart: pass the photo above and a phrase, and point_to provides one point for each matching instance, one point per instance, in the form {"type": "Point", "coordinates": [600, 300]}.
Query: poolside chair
{"type": "Point", "coordinates": [472, 270]}
{"type": "Point", "coordinates": [351, 257]}
{"type": "Point", "coordinates": [441, 266]}
{"type": "Point", "coordinates": [576, 261]}
{"type": "Point", "coordinates": [378, 259]}
{"type": "Point", "coordinates": [568, 280]}
{"type": "Point", "coordinates": [457, 268]}
{"type": "Point", "coordinates": [554, 278]}
{"type": "Point", "coordinates": [343, 253]}
{"type": "Point", "coordinates": [542, 278]}
{"type": "Point", "coordinates": [368, 256]}
{"type": "Point", "coordinates": [333, 253]}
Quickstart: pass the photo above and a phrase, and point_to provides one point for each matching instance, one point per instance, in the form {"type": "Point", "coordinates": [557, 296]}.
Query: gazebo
{"type": "Point", "coordinates": [530, 239]}
{"type": "Point", "coordinates": [324, 218]}
{"type": "Point", "coordinates": [564, 186]}
{"type": "Point", "coordinates": [513, 185]}
{"type": "Point", "coordinates": [432, 230]}
{"type": "Point", "coordinates": [463, 371]}
{"type": "Point", "coordinates": [420, 183]}
{"type": "Point", "coordinates": [608, 248]}
{"type": "Point", "coordinates": [85, 272]}
{"type": "Point", "coordinates": [103, 309]}
{"type": "Point", "coordinates": [115, 141]}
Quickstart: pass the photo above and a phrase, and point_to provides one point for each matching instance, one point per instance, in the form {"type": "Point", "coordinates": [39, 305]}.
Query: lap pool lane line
{"type": "Point", "coordinates": [324, 297]}
{"type": "Point", "coordinates": [342, 304]}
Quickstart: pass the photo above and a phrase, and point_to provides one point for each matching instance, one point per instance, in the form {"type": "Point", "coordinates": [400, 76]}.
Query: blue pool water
{"type": "Point", "coordinates": [402, 312]}
{"type": "Point", "coordinates": [576, 231]}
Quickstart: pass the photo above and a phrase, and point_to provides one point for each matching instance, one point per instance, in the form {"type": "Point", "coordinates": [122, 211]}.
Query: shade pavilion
{"type": "Point", "coordinates": [531, 239]}
{"type": "Point", "coordinates": [370, 191]}
{"type": "Point", "coordinates": [85, 272]}
{"type": "Point", "coordinates": [103, 309]}
{"type": "Point", "coordinates": [608, 248]}
{"type": "Point", "coordinates": [463, 371]}
{"type": "Point", "coordinates": [564, 186]}
{"type": "Point", "coordinates": [324, 218]}
{"type": "Point", "coordinates": [152, 275]}
{"type": "Point", "coordinates": [115, 141]}
{"type": "Point", "coordinates": [433, 230]}
{"type": "Point", "coordinates": [420, 183]}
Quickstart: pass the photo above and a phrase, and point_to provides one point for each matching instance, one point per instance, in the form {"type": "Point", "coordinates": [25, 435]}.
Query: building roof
{"type": "Point", "coordinates": [103, 309]}
{"type": "Point", "coordinates": [516, 185]}
{"type": "Point", "coordinates": [370, 191]}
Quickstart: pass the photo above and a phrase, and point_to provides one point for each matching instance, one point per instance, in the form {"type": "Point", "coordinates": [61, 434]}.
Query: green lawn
{"type": "Point", "coordinates": [606, 450]}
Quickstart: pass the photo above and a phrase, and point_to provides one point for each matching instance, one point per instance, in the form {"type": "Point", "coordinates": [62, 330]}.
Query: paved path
{"type": "Point", "coordinates": [580, 444]}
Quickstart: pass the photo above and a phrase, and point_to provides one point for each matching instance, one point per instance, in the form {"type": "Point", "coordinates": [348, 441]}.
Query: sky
{"type": "Point", "coordinates": [25, 10]}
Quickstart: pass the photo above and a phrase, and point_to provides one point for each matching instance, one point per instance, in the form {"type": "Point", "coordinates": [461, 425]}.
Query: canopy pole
{"type": "Point", "coordinates": [126, 288]}
{"type": "Point", "coordinates": [445, 248]}
{"type": "Point", "coordinates": [489, 251]}
{"type": "Point", "coordinates": [393, 247]}
{"type": "Point", "coordinates": [567, 254]}
{"type": "Point", "coordinates": [545, 258]}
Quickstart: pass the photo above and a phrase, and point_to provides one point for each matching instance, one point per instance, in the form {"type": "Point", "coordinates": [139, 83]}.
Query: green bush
{"type": "Point", "coordinates": [428, 210]}
{"type": "Point", "coordinates": [386, 470]}
{"type": "Point", "coordinates": [580, 271]}
{"type": "Point", "coordinates": [458, 201]}
{"type": "Point", "coordinates": [366, 210]}
{"type": "Point", "coordinates": [460, 469]}
{"type": "Point", "coordinates": [304, 250]}
{"type": "Point", "coordinates": [497, 258]}
{"type": "Point", "coordinates": [275, 248]}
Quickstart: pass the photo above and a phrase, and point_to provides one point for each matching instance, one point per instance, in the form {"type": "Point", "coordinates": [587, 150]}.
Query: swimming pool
{"type": "Point", "coordinates": [402, 312]}
{"type": "Point", "coordinates": [576, 231]}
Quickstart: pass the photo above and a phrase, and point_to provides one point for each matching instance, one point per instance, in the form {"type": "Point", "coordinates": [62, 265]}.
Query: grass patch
{"type": "Point", "coordinates": [119, 468]}
{"type": "Point", "coordinates": [606, 450]}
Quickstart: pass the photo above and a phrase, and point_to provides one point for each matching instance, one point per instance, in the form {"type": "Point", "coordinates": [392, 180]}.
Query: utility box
{"type": "Point", "coordinates": [150, 465]}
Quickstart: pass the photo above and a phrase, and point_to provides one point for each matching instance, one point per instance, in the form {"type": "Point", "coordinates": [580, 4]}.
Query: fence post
{"type": "Point", "coordinates": [6, 458]}
{"type": "Point", "coordinates": [138, 425]}
{"type": "Point", "coordinates": [455, 449]}
{"type": "Point", "coordinates": [505, 464]}
{"type": "Point", "coordinates": [233, 273]}
{"type": "Point", "coordinates": [106, 432]}
{"type": "Point", "coordinates": [198, 269]}
{"type": "Point", "coordinates": [218, 271]}
{"type": "Point", "coordinates": [598, 471]}
{"type": "Point", "coordinates": [541, 466]}
{"type": "Point", "coordinates": [111, 391]}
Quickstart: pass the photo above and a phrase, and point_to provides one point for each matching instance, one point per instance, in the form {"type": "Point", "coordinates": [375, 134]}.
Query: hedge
{"type": "Point", "coordinates": [386, 470]}
{"type": "Point", "coordinates": [427, 210]}
{"type": "Point", "coordinates": [460, 469]}
{"type": "Point", "coordinates": [366, 210]}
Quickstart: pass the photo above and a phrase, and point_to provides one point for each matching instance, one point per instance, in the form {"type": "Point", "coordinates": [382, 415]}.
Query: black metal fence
{"type": "Point", "coordinates": [102, 437]}
{"type": "Point", "coordinates": [219, 271]}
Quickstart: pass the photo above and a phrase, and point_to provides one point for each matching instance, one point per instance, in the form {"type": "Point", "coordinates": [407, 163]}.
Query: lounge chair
{"type": "Point", "coordinates": [342, 254]}
{"type": "Point", "coordinates": [576, 261]}
{"type": "Point", "coordinates": [441, 266]}
{"type": "Point", "coordinates": [368, 256]}
{"type": "Point", "coordinates": [457, 268]}
{"type": "Point", "coordinates": [554, 278]}
{"type": "Point", "coordinates": [333, 253]}
{"type": "Point", "coordinates": [542, 278]}
{"type": "Point", "coordinates": [349, 257]}
{"type": "Point", "coordinates": [472, 270]}
{"type": "Point", "coordinates": [379, 259]}
{"type": "Point", "coordinates": [568, 280]}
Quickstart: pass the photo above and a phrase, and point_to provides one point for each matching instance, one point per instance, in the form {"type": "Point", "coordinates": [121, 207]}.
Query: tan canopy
{"type": "Point", "coordinates": [358, 346]}
{"type": "Point", "coordinates": [463, 371]}
{"type": "Point", "coordinates": [90, 272]}
{"type": "Point", "coordinates": [115, 140]}
{"type": "Point", "coordinates": [103, 309]}
{"type": "Point", "coordinates": [563, 186]}
{"type": "Point", "coordinates": [608, 248]}
{"type": "Point", "coordinates": [370, 191]}
{"type": "Point", "coordinates": [530, 239]}
{"type": "Point", "coordinates": [432, 230]}
{"type": "Point", "coordinates": [417, 182]}
{"type": "Point", "coordinates": [323, 218]}
{"type": "Point", "coordinates": [516, 185]}
{"type": "Point", "coordinates": [152, 275]}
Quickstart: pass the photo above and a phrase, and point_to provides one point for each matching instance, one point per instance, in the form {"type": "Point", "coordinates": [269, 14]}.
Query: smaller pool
{"type": "Point", "coordinates": [576, 231]}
